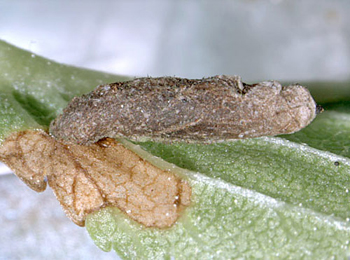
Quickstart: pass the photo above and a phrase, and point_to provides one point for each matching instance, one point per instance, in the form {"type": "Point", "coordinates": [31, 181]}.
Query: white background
{"type": "Point", "coordinates": [253, 38]}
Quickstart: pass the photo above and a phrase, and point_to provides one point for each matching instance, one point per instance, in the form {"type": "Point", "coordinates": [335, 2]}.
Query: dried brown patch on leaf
{"type": "Point", "coordinates": [86, 178]}
{"type": "Point", "coordinates": [177, 109]}
{"type": "Point", "coordinates": [25, 154]}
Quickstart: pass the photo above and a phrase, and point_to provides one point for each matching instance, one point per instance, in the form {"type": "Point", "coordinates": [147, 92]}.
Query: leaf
{"type": "Point", "coordinates": [276, 199]}
{"type": "Point", "coordinates": [329, 132]}
{"type": "Point", "coordinates": [263, 198]}
{"type": "Point", "coordinates": [257, 198]}
{"type": "Point", "coordinates": [88, 178]}
{"type": "Point", "coordinates": [34, 90]}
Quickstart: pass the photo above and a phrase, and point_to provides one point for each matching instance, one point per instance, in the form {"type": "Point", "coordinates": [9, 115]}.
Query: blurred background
{"type": "Point", "coordinates": [256, 39]}
{"type": "Point", "coordinates": [270, 39]}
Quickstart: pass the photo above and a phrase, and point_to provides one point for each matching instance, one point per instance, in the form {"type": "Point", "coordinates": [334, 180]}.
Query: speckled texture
{"type": "Point", "coordinates": [176, 109]}
{"type": "Point", "coordinates": [87, 178]}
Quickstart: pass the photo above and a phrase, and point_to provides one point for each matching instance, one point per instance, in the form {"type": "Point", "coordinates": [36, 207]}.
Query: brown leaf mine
{"type": "Point", "coordinates": [176, 109]}
{"type": "Point", "coordinates": [86, 178]}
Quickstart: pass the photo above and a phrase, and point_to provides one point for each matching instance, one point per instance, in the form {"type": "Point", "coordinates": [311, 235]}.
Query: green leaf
{"type": "Point", "coordinates": [295, 174]}
{"type": "Point", "coordinates": [263, 197]}
{"type": "Point", "coordinates": [34, 90]}
{"type": "Point", "coordinates": [257, 198]}
{"type": "Point", "coordinates": [329, 132]}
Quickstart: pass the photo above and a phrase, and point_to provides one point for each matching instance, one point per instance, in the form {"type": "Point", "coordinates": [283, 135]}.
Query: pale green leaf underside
{"type": "Point", "coordinates": [274, 167]}
{"type": "Point", "coordinates": [265, 197]}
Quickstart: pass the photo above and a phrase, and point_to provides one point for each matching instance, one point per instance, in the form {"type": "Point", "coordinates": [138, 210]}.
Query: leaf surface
{"type": "Point", "coordinates": [265, 197]}
{"type": "Point", "coordinates": [34, 90]}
